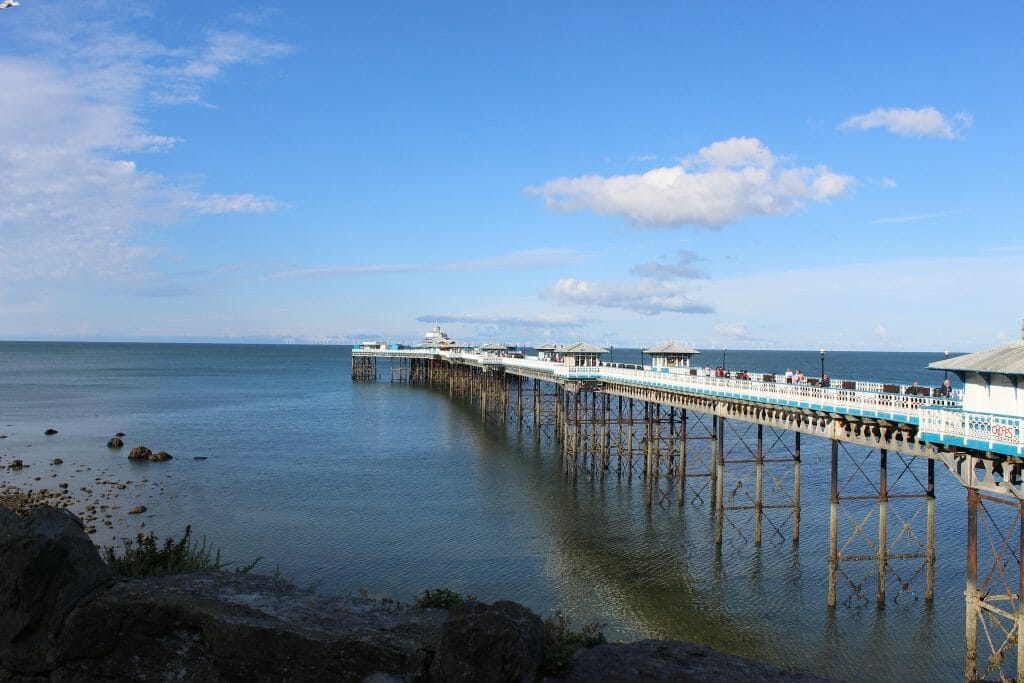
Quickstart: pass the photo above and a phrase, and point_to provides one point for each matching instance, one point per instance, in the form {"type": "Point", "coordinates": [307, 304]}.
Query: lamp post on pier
{"type": "Point", "coordinates": [822, 376]}
{"type": "Point", "coordinates": [945, 373]}
{"type": "Point", "coordinates": [723, 359]}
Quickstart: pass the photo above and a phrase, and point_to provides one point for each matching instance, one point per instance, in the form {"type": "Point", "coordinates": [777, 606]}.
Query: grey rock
{"type": "Point", "coordinates": [139, 453]}
{"type": "Point", "coordinates": [499, 642]}
{"type": "Point", "coordinates": [47, 566]}
{"type": "Point", "coordinates": [115, 442]}
{"type": "Point", "coordinates": [666, 660]}
{"type": "Point", "coordinates": [226, 626]}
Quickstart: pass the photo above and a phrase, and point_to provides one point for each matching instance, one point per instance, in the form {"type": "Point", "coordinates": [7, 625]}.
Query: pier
{"type": "Point", "coordinates": [732, 442]}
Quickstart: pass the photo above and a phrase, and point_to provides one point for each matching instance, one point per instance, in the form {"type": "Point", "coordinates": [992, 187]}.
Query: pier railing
{"type": "Point", "coordinates": [983, 431]}
{"type": "Point", "coordinates": [940, 419]}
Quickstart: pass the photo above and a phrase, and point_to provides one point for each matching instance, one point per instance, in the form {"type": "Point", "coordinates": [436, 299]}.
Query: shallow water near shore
{"type": "Point", "coordinates": [394, 489]}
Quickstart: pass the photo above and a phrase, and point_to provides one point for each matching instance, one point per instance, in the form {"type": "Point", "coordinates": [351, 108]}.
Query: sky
{"type": "Point", "coordinates": [797, 175]}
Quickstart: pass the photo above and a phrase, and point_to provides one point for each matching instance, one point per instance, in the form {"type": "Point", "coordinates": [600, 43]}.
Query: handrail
{"type": "Point", "coordinates": [941, 416]}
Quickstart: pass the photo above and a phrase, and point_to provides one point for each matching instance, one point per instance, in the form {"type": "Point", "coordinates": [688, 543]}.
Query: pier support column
{"type": "Point", "coordinates": [717, 440]}
{"type": "Point", "coordinates": [929, 590]}
{"type": "Point", "coordinates": [901, 556]}
{"type": "Point", "coordinates": [994, 598]}
{"type": "Point", "coordinates": [883, 541]}
{"type": "Point", "coordinates": [719, 478]}
{"type": "Point", "coordinates": [796, 488]}
{"type": "Point", "coordinates": [833, 526]}
{"type": "Point", "coordinates": [759, 484]}
{"type": "Point", "coordinates": [681, 468]}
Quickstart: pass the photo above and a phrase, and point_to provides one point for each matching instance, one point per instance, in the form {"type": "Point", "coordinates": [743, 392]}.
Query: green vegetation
{"type": "Point", "coordinates": [443, 598]}
{"type": "Point", "coordinates": [146, 557]}
{"type": "Point", "coordinates": [561, 642]}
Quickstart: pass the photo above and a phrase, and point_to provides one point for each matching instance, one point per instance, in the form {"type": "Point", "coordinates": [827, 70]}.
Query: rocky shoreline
{"type": "Point", "coordinates": [64, 616]}
{"type": "Point", "coordinates": [111, 507]}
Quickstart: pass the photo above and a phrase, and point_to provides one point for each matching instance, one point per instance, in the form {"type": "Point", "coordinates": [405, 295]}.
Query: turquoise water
{"type": "Point", "coordinates": [393, 489]}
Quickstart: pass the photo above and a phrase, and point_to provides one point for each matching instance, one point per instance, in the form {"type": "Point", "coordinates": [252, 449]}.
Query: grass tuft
{"type": "Point", "coordinates": [147, 557]}
{"type": "Point", "coordinates": [561, 642]}
{"type": "Point", "coordinates": [443, 598]}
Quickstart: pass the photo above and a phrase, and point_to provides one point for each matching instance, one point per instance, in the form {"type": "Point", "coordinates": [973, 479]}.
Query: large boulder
{"type": "Point", "coordinates": [227, 626]}
{"type": "Point", "coordinates": [669, 660]}
{"type": "Point", "coordinates": [47, 566]}
{"type": "Point", "coordinates": [139, 453]}
{"type": "Point", "coordinates": [499, 642]}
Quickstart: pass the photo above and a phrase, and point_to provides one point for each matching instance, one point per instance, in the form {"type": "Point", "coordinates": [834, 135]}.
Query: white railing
{"type": "Point", "coordinates": [975, 429]}
{"type": "Point", "coordinates": [939, 415]}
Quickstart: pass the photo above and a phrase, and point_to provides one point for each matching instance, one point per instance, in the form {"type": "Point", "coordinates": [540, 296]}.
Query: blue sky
{"type": "Point", "coordinates": [742, 175]}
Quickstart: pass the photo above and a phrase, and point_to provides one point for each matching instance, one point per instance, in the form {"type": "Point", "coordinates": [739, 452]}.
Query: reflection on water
{"type": "Point", "coordinates": [394, 489]}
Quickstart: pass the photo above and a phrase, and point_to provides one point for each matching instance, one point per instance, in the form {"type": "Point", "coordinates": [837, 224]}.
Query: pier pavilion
{"type": "Point", "coordinates": [670, 355]}
{"type": "Point", "coordinates": [734, 444]}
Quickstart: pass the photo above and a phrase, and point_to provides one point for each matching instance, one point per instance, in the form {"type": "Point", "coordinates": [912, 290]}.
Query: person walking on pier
{"type": "Point", "coordinates": [946, 390]}
{"type": "Point", "coordinates": [789, 375]}
{"type": "Point", "coordinates": [914, 389]}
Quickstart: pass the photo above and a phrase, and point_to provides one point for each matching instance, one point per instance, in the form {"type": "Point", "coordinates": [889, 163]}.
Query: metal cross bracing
{"type": "Point", "coordinates": [533, 405]}
{"type": "Point", "coordinates": [995, 585]}
{"type": "Point", "coordinates": [400, 369]}
{"type": "Point", "coordinates": [758, 482]}
{"type": "Point", "coordinates": [699, 449]}
{"type": "Point", "coordinates": [885, 537]}
{"type": "Point", "coordinates": [364, 368]}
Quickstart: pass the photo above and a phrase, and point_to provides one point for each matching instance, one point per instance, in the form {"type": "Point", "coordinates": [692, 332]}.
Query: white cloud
{"type": "Point", "coordinates": [912, 123]}
{"type": "Point", "coordinates": [75, 188]}
{"type": "Point", "coordinates": [681, 268]}
{"type": "Point", "coordinates": [880, 331]}
{"type": "Point", "coordinates": [647, 296]}
{"type": "Point", "coordinates": [730, 329]}
{"type": "Point", "coordinates": [723, 183]}
{"type": "Point", "coordinates": [184, 83]}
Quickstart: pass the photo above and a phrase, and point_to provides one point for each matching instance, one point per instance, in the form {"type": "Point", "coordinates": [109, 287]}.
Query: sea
{"type": "Point", "coordinates": [392, 489]}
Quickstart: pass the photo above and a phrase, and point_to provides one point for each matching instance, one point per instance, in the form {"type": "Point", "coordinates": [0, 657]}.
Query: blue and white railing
{"type": "Point", "coordinates": [940, 419]}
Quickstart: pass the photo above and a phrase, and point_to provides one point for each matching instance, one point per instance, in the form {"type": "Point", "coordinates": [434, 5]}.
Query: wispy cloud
{"type": "Point", "coordinates": [73, 201]}
{"type": "Point", "coordinates": [912, 218]}
{"type": "Point", "coordinates": [681, 268]}
{"type": "Point", "coordinates": [730, 329]}
{"type": "Point", "coordinates": [518, 260]}
{"type": "Point", "coordinates": [723, 183]}
{"type": "Point", "coordinates": [928, 122]}
{"type": "Point", "coordinates": [184, 82]}
{"type": "Point", "coordinates": [539, 322]}
{"type": "Point", "coordinates": [648, 296]}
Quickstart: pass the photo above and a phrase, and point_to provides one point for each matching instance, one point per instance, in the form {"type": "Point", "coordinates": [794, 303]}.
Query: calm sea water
{"type": "Point", "coordinates": [394, 489]}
